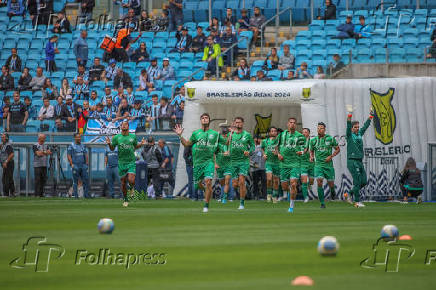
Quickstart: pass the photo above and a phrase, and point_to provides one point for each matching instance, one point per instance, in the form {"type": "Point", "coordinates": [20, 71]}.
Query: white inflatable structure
{"type": "Point", "coordinates": [405, 118]}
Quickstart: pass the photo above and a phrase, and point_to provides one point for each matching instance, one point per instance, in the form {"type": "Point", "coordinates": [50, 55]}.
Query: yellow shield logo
{"type": "Point", "coordinates": [191, 92]}
{"type": "Point", "coordinates": [306, 93]}
{"type": "Point", "coordinates": [385, 120]}
{"type": "Point", "coordinates": [262, 125]}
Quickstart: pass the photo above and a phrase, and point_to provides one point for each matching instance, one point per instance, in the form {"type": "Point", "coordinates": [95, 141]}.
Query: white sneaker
{"type": "Point", "coordinates": [306, 200]}
{"type": "Point", "coordinates": [358, 205]}
{"type": "Point", "coordinates": [361, 204]}
{"type": "Point", "coordinates": [268, 198]}
{"type": "Point", "coordinates": [419, 200]}
{"type": "Point", "coordinates": [125, 204]}
{"type": "Point", "coordinates": [241, 207]}
{"type": "Point", "coordinates": [274, 199]}
{"type": "Point", "coordinates": [205, 209]}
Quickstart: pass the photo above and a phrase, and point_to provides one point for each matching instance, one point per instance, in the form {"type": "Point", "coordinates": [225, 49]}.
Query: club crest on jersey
{"type": "Point", "coordinates": [385, 120]}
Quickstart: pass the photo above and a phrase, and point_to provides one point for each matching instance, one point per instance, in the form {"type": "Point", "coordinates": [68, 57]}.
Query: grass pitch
{"type": "Point", "coordinates": [262, 247]}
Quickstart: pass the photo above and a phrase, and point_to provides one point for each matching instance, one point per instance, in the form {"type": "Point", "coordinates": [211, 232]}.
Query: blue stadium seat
{"type": "Point", "coordinates": [198, 76]}
{"type": "Point", "coordinates": [187, 56]}
{"type": "Point", "coordinates": [185, 65]}
{"type": "Point", "coordinates": [378, 42]}
{"type": "Point", "coordinates": [348, 43]}
{"type": "Point", "coordinates": [364, 43]}
{"type": "Point", "coordinates": [316, 25]}
{"type": "Point", "coordinates": [32, 64]}
{"type": "Point", "coordinates": [303, 35]}
{"type": "Point", "coordinates": [333, 43]}
{"type": "Point", "coordinates": [257, 63]}
{"type": "Point", "coordinates": [307, 54]}
{"type": "Point", "coordinates": [331, 24]}
{"type": "Point", "coordinates": [394, 43]}
{"type": "Point", "coordinates": [397, 55]}
{"type": "Point", "coordinates": [9, 43]}
{"type": "Point", "coordinates": [58, 74]}
{"type": "Point", "coordinates": [159, 43]}
{"type": "Point", "coordinates": [289, 42]}
{"type": "Point", "coordinates": [410, 42]}
{"type": "Point", "coordinates": [23, 43]}
{"type": "Point", "coordinates": [364, 55]}
{"type": "Point", "coordinates": [319, 54]}
{"type": "Point", "coordinates": [37, 44]}
{"type": "Point", "coordinates": [415, 55]}
{"type": "Point", "coordinates": [303, 44]}
{"type": "Point", "coordinates": [421, 12]}
{"type": "Point", "coordinates": [410, 32]}
{"type": "Point", "coordinates": [200, 64]}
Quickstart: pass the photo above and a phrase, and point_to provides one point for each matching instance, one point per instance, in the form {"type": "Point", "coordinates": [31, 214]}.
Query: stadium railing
{"type": "Point", "coordinates": [277, 19]}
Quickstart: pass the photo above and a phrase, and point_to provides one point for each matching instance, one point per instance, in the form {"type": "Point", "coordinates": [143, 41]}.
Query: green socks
{"type": "Point", "coordinates": [269, 191]}
{"type": "Point", "coordinates": [126, 199]}
{"type": "Point", "coordinates": [321, 194]}
{"type": "Point", "coordinates": [356, 194]}
{"type": "Point", "coordinates": [275, 193]}
{"type": "Point", "coordinates": [242, 202]}
{"type": "Point", "coordinates": [206, 204]}
{"type": "Point", "coordinates": [304, 189]}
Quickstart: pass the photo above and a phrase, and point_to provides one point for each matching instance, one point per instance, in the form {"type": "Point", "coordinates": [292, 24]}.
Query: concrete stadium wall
{"type": "Point", "coordinates": [372, 70]}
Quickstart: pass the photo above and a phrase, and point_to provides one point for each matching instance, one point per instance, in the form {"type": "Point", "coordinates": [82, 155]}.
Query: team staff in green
{"type": "Point", "coordinates": [223, 164]}
{"type": "Point", "coordinates": [307, 167]}
{"type": "Point", "coordinates": [291, 147]}
{"type": "Point", "coordinates": [321, 152]}
{"type": "Point", "coordinates": [241, 146]}
{"type": "Point", "coordinates": [272, 165]}
{"type": "Point", "coordinates": [204, 144]}
{"type": "Point", "coordinates": [355, 155]}
{"type": "Point", "coordinates": [127, 144]}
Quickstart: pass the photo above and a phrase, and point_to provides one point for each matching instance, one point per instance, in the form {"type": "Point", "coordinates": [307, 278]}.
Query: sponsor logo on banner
{"type": "Point", "coordinates": [191, 92]}
{"type": "Point", "coordinates": [262, 125]}
{"type": "Point", "coordinates": [385, 120]}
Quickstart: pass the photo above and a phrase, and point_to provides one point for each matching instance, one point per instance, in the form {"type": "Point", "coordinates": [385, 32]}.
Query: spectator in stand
{"type": "Point", "coordinates": [229, 17]}
{"type": "Point", "coordinates": [15, 8]}
{"type": "Point", "coordinates": [124, 7]}
{"type": "Point", "coordinates": [110, 110]}
{"type": "Point", "coordinates": [272, 60]}
{"type": "Point", "coordinates": [18, 115]}
{"type": "Point", "coordinates": [215, 35]}
{"type": "Point", "coordinates": [4, 109]}
{"type": "Point", "coordinates": [122, 80]}
{"type": "Point", "coordinates": [163, 21]}
{"type": "Point", "coordinates": [184, 41]}
{"type": "Point", "coordinates": [86, 7]}
{"type": "Point", "coordinates": [319, 73]}
{"type": "Point", "coordinates": [145, 21]}
{"type": "Point", "coordinates": [432, 50]}
{"type": "Point", "coordinates": [336, 65]}
{"type": "Point", "coordinates": [289, 77]}
{"type": "Point", "coordinates": [211, 52]}
{"type": "Point", "coordinates": [6, 80]}
{"type": "Point", "coordinates": [165, 113]}
{"type": "Point", "coordinates": [167, 71]}
{"type": "Point", "coordinates": [118, 97]}
{"type": "Point", "coordinates": [107, 94]}
{"type": "Point", "coordinates": [214, 24]}
{"type": "Point", "coordinates": [95, 71]}
{"type": "Point", "coordinates": [65, 88]}
{"type": "Point", "coordinates": [123, 111]}
{"type": "Point", "coordinates": [260, 76]}
{"type": "Point", "coordinates": [144, 82]}
{"type": "Point", "coordinates": [123, 43]}
{"type": "Point", "coordinates": [244, 21]}
{"type": "Point", "coordinates": [131, 18]}
{"type": "Point", "coordinates": [24, 81]}
{"type": "Point", "coordinates": [62, 24]}
{"type": "Point", "coordinates": [82, 116]}
{"type": "Point", "coordinates": [177, 115]}
{"type": "Point", "coordinates": [99, 113]}
{"type": "Point", "coordinates": [153, 114]}
{"type": "Point", "coordinates": [256, 22]}
{"type": "Point", "coordinates": [287, 59]}
{"type": "Point", "coordinates": [302, 72]}
{"type": "Point", "coordinates": [153, 71]}
{"type": "Point", "coordinates": [70, 115]}
{"type": "Point", "coordinates": [94, 100]}
{"type": "Point", "coordinates": [81, 72]}
{"type": "Point", "coordinates": [198, 41]}
{"type": "Point", "coordinates": [137, 113]}
{"type": "Point", "coordinates": [180, 97]}
{"type": "Point", "coordinates": [329, 11]}
{"type": "Point", "coordinates": [130, 96]}
{"type": "Point", "coordinates": [140, 54]}
{"type": "Point", "coordinates": [346, 30]}
{"type": "Point", "coordinates": [111, 70]}
{"type": "Point", "coordinates": [14, 61]}
{"type": "Point", "coordinates": [41, 152]}
{"type": "Point", "coordinates": [362, 30]}
{"type": "Point", "coordinates": [80, 48]}
{"type": "Point", "coordinates": [223, 28]}
{"type": "Point", "coordinates": [242, 72]}
{"type": "Point", "coordinates": [176, 14]}
{"type": "Point", "coordinates": [47, 111]}
{"type": "Point", "coordinates": [433, 35]}
{"type": "Point", "coordinates": [50, 51]}
{"type": "Point", "coordinates": [80, 90]}
{"type": "Point", "coordinates": [32, 110]}
{"type": "Point", "coordinates": [59, 108]}
{"type": "Point", "coordinates": [227, 40]}
{"type": "Point", "coordinates": [60, 125]}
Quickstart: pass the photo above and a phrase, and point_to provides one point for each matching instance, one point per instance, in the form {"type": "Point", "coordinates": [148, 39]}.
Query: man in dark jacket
{"type": "Point", "coordinates": [14, 61]}
{"type": "Point", "coordinates": [198, 41]}
{"type": "Point", "coordinates": [152, 155]}
{"type": "Point", "coordinates": [62, 24]}
{"type": "Point", "coordinates": [184, 41]}
{"type": "Point", "coordinates": [227, 40]}
{"type": "Point", "coordinates": [6, 81]}
{"type": "Point", "coordinates": [346, 30]}
{"type": "Point", "coordinates": [329, 11]}
{"type": "Point", "coordinates": [122, 79]}
{"type": "Point", "coordinates": [86, 8]}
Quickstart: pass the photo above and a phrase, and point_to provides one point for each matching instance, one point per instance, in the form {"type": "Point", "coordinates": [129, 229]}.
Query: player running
{"type": "Point", "coordinates": [355, 155]}
{"type": "Point", "coordinates": [127, 144]}
{"type": "Point", "coordinates": [306, 167]}
{"type": "Point", "coordinates": [223, 164]}
{"type": "Point", "coordinates": [291, 147]}
{"type": "Point", "coordinates": [272, 164]}
{"type": "Point", "coordinates": [321, 151]}
{"type": "Point", "coordinates": [241, 146]}
{"type": "Point", "coordinates": [204, 144]}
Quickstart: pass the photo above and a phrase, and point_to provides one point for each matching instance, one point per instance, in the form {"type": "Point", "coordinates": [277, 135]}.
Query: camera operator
{"type": "Point", "coordinates": [7, 161]}
{"type": "Point", "coordinates": [151, 154]}
{"type": "Point", "coordinates": [78, 158]}
{"type": "Point", "coordinates": [41, 152]}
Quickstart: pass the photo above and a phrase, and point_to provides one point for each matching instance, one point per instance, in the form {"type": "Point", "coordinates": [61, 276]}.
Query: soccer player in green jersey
{"type": "Point", "coordinates": [272, 165]}
{"type": "Point", "coordinates": [204, 144]}
{"type": "Point", "coordinates": [241, 146]}
{"type": "Point", "coordinates": [355, 156]}
{"type": "Point", "coordinates": [223, 164]}
{"type": "Point", "coordinates": [307, 167]}
{"type": "Point", "coordinates": [291, 147]}
{"type": "Point", "coordinates": [321, 151]}
{"type": "Point", "coordinates": [127, 144]}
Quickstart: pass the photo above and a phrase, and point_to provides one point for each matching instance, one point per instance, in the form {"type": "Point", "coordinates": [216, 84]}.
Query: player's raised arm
{"type": "Point", "coordinates": [178, 129]}
{"type": "Point", "coordinates": [140, 144]}
{"type": "Point", "coordinates": [349, 116]}
{"type": "Point", "coordinates": [109, 143]}
{"type": "Point", "coordinates": [367, 123]}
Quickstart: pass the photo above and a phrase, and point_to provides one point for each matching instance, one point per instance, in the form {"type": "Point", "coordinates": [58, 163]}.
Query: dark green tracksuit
{"type": "Point", "coordinates": [354, 158]}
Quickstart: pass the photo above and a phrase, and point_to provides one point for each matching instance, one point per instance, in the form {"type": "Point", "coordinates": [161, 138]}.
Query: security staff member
{"type": "Point", "coordinates": [41, 152]}
{"type": "Point", "coordinates": [78, 157]}
{"type": "Point", "coordinates": [7, 161]}
{"type": "Point", "coordinates": [111, 163]}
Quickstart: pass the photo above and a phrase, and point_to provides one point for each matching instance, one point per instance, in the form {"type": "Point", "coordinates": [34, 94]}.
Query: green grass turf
{"type": "Point", "coordinates": [262, 247]}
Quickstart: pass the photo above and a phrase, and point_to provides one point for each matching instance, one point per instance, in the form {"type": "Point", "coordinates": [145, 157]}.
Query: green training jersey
{"type": "Point", "coordinates": [269, 146]}
{"type": "Point", "coordinates": [355, 141]}
{"type": "Point", "coordinates": [241, 142]}
{"type": "Point", "coordinates": [126, 147]}
{"type": "Point", "coordinates": [322, 148]}
{"type": "Point", "coordinates": [289, 145]}
{"type": "Point", "coordinates": [221, 159]}
{"type": "Point", "coordinates": [204, 145]}
{"type": "Point", "coordinates": [305, 158]}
